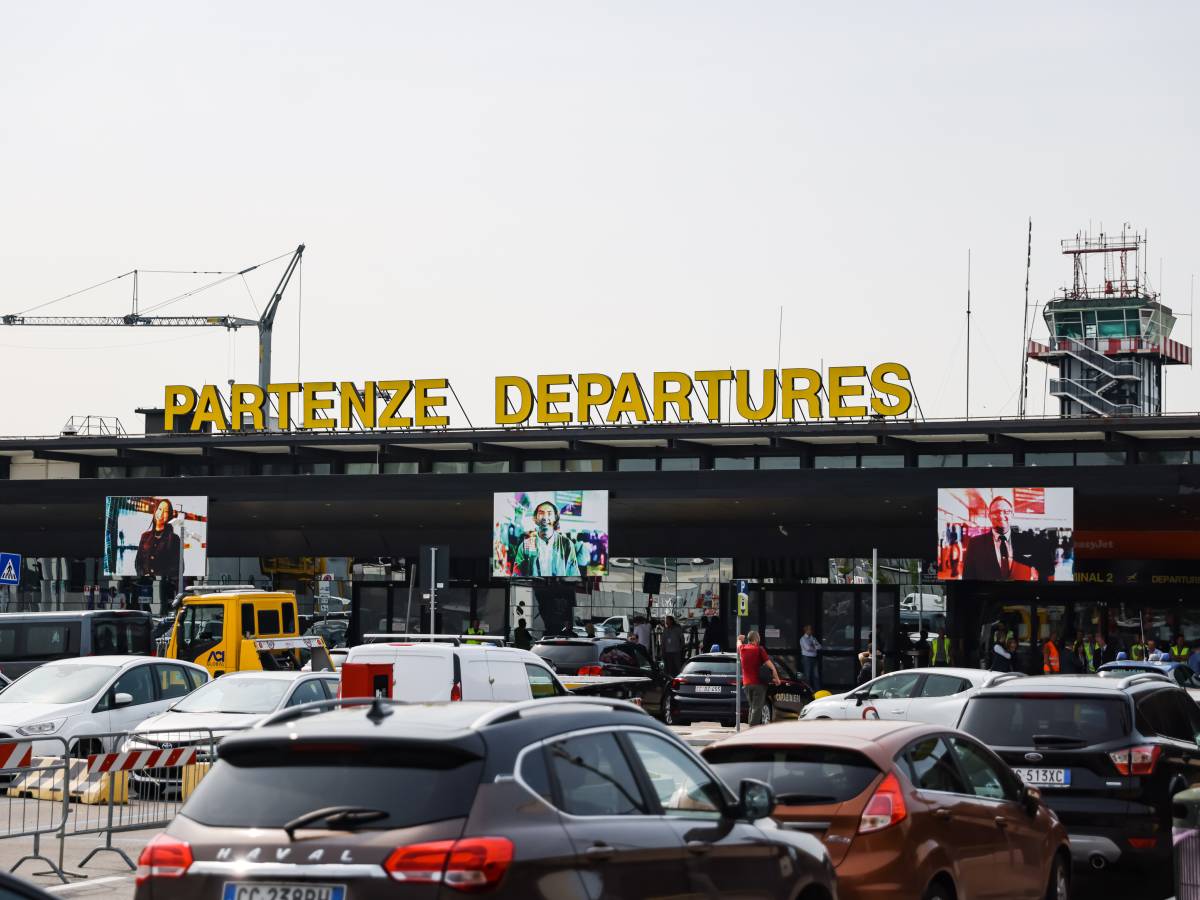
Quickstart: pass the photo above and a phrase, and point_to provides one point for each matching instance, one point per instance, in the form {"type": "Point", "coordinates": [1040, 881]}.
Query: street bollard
{"type": "Point", "coordinates": [1185, 810]}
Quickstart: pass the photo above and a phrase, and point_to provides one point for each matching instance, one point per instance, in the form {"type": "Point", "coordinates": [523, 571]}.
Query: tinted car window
{"type": "Point", "coordinates": [8, 641]}
{"type": "Point", "coordinates": [894, 687]}
{"type": "Point", "coordinates": [307, 692]}
{"type": "Point", "coordinates": [797, 774]}
{"type": "Point", "coordinates": [172, 681]}
{"type": "Point", "coordinates": [535, 774]}
{"type": "Point", "coordinates": [49, 640]}
{"type": "Point", "coordinates": [1159, 713]}
{"type": "Point", "coordinates": [541, 682]}
{"type": "Point", "coordinates": [1012, 721]}
{"type": "Point", "coordinates": [567, 656]}
{"type": "Point", "coordinates": [931, 767]}
{"type": "Point", "coordinates": [594, 778]}
{"type": "Point", "coordinates": [943, 685]}
{"type": "Point", "coordinates": [984, 775]}
{"type": "Point", "coordinates": [124, 635]}
{"type": "Point", "coordinates": [702, 666]}
{"type": "Point", "coordinates": [640, 656]}
{"type": "Point", "coordinates": [268, 621]}
{"type": "Point", "coordinates": [683, 787]}
{"type": "Point", "coordinates": [619, 655]}
{"type": "Point", "coordinates": [138, 683]}
{"type": "Point", "coordinates": [260, 790]}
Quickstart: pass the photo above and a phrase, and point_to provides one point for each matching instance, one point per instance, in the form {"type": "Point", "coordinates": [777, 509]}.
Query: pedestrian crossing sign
{"type": "Point", "coordinates": [10, 568]}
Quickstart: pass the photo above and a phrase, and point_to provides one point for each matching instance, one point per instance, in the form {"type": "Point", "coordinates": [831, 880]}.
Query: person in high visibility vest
{"type": "Point", "coordinates": [1179, 650]}
{"type": "Point", "coordinates": [1091, 653]}
{"type": "Point", "coordinates": [939, 649]}
{"type": "Point", "coordinates": [1137, 651]}
{"type": "Point", "coordinates": [474, 628]}
{"type": "Point", "coordinates": [1051, 663]}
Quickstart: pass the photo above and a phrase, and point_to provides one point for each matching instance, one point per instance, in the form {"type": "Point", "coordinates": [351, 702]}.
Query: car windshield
{"type": "Point", "coordinates": [710, 667]}
{"type": "Point", "coordinates": [263, 790]}
{"type": "Point", "coordinates": [1031, 720]}
{"type": "Point", "coordinates": [567, 655]}
{"type": "Point", "coordinates": [58, 684]}
{"type": "Point", "coordinates": [235, 695]}
{"type": "Point", "coordinates": [799, 775]}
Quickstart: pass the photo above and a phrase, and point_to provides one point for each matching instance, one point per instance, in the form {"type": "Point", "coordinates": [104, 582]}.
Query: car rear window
{"type": "Point", "coordinates": [710, 667]}
{"type": "Point", "coordinates": [797, 774]}
{"type": "Point", "coordinates": [1013, 721]}
{"type": "Point", "coordinates": [567, 656]}
{"type": "Point", "coordinates": [262, 790]}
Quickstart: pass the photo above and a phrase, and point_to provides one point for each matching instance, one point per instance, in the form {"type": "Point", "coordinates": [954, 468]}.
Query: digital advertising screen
{"type": "Point", "coordinates": [149, 536]}
{"type": "Point", "coordinates": [1006, 534]}
{"type": "Point", "coordinates": [550, 534]}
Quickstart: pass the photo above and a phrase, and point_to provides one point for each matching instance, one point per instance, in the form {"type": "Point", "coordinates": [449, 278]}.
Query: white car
{"type": "Point", "coordinates": [229, 703]}
{"type": "Point", "coordinates": [936, 695]}
{"type": "Point", "coordinates": [83, 697]}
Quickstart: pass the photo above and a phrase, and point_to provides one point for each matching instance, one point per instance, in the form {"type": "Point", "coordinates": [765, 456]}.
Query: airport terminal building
{"type": "Point", "coordinates": [794, 509]}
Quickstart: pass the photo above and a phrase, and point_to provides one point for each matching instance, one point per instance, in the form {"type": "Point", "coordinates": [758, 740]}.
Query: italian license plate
{"type": "Point", "coordinates": [708, 689]}
{"type": "Point", "coordinates": [262, 890]}
{"type": "Point", "coordinates": [788, 698]}
{"type": "Point", "coordinates": [1036, 777]}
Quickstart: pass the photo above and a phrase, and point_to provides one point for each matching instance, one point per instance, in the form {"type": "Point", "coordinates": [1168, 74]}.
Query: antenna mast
{"type": "Point", "coordinates": [1025, 327]}
{"type": "Point", "coordinates": [968, 332]}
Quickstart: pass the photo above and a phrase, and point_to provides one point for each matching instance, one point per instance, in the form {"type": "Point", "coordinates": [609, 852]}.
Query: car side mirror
{"type": "Point", "coordinates": [756, 800]}
{"type": "Point", "coordinates": [858, 699]}
{"type": "Point", "coordinates": [122, 699]}
{"type": "Point", "coordinates": [1031, 799]}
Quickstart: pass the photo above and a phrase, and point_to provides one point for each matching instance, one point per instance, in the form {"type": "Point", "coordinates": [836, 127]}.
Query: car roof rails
{"type": "Point", "coordinates": [511, 711]}
{"type": "Point", "coordinates": [455, 639]}
{"type": "Point", "coordinates": [379, 709]}
{"type": "Point", "coordinates": [1002, 677]}
{"type": "Point", "coordinates": [1144, 676]}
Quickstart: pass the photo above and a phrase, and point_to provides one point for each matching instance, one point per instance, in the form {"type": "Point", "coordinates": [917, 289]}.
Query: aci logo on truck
{"type": "Point", "coordinates": [10, 568]}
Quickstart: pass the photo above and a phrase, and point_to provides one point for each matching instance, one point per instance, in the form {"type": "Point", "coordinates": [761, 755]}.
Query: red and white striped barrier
{"type": "Point", "coordinates": [141, 759]}
{"type": "Point", "coordinates": [16, 756]}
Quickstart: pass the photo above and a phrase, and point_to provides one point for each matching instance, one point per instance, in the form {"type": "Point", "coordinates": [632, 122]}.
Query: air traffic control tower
{"type": "Point", "coordinates": [1110, 341]}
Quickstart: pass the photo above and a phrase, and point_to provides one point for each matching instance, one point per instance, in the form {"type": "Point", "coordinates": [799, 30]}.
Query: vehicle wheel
{"type": "Point", "coordinates": [768, 714]}
{"type": "Point", "coordinates": [668, 717]}
{"type": "Point", "coordinates": [1059, 887]}
{"type": "Point", "coordinates": [937, 891]}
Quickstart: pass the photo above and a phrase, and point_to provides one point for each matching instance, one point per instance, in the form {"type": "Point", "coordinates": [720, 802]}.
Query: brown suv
{"type": "Point", "coordinates": [906, 809]}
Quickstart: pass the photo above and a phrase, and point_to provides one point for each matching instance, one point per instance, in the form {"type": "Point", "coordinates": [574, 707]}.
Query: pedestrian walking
{"type": "Point", "coordinates": [1004, 658]}
{"type": "Point", "coordinates": [1051, 663]}
{"type": "Point", "coordinates": [810, 650]}
{"type": "Point", "coordinates": [672, 646]}
{"type": "Point", "coordinates": [755, 664]}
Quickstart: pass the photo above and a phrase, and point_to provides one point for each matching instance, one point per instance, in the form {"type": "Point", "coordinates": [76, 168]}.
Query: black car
{"type": "Point", "coordinates": [553, 798]}
{"type": "Point", "coordinates": [607, 656]}
{"type": "Point", "coordinates": [705, 692]}
{"type": "Point", "coordinates": [1107, 755]}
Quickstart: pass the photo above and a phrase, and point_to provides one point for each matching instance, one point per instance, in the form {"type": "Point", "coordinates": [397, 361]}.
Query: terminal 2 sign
{"type": "Point", "coordinates": [843, 392]}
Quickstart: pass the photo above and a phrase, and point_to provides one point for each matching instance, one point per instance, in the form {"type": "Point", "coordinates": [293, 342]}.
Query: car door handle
{"type": "Point", "coordinates": [699, 848]}
{"type": "Point", "coordinates": [943, 814]}
{"type": "Point", "coordinates": [599, 852]}
{"type": "Point", "coordinates": [1001, 822]}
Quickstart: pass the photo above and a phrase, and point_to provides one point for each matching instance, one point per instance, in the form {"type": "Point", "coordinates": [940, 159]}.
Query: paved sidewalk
{"type": "Point", "coordinates": [107, 874]}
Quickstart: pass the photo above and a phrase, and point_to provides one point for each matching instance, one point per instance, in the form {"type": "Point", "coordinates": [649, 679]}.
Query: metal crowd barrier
{"type": "Point", "coordinates": [28, 813]}
{"type": "Point", "coordinates": [141, 782]}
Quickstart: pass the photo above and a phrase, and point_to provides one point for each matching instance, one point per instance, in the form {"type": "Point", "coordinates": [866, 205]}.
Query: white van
{"type": "Point", "coordinates": [428, 670]}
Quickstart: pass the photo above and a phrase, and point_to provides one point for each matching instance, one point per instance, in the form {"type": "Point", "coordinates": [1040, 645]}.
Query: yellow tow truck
{"type": "Point", "coordinates": [240, 628]}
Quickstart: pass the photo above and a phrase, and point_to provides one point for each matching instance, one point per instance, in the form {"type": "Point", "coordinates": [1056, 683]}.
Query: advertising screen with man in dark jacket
{"type": "Point", "coordinates": [1006, 534]}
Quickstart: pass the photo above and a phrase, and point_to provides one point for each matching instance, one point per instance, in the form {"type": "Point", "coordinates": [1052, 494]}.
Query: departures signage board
{"type": "Point", "coordinates": [706, 395]}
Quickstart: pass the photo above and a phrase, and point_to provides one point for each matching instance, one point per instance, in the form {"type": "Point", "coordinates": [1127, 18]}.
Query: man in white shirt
{"type": "Point", "coordinates": [810, 649]}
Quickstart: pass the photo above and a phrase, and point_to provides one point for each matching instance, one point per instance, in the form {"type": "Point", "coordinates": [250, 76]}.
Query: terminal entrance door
{"type": "Point", "coordinates": [383, 607]}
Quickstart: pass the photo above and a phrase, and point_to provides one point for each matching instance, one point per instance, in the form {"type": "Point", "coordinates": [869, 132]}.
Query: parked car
{"type": "Point", "coordinates": [212, 711]}
{"type": "Point", "coordinates": [74, 699]}
{"type": "Point", "coordinates": [542, 799]}
{"type": "Point", "coordinates": [934, 694]}
{"type": "Point", "coordinates": [613, 657]}
{"type": "Point", "coordinates": [1108, 754]}
{"type": "Point", "coordinates": [28, 639]}
{"type": "Point", "coordinates": [423, 672]}
{"type": "Point", "coordinates": [906, 809]}
{"type": "Point", "coordinates": [332, 630]}
{"type": "Point", "coordinates": [705, 691]}
{"type": "Point", "coordinates": [1179, 672]}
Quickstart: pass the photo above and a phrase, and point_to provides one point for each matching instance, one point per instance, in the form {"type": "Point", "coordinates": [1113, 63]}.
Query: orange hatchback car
{"type": "Point", "coordinates": [906, 809]}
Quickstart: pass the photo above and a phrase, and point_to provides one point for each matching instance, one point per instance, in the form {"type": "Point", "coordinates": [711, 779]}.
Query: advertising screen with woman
{"type": "Point", "coordinates": [155, 536]}
{"type": "Point", "coordinates": [550, 534]}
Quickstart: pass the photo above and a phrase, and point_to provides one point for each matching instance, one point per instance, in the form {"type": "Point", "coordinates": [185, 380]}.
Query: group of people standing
{"type": "Point", "coordinates": [1087, 653]}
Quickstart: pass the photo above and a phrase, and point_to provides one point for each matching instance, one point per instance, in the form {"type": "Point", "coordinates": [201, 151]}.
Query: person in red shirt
{"type": "Point", "coordinates": [754, 657]}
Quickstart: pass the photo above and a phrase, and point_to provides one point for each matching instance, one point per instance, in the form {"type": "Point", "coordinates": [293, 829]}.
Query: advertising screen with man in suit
{"type": "Point", "coordinates": [1006, 534]}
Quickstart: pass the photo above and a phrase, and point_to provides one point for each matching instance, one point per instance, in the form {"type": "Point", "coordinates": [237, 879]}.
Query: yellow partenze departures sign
{"type": "Point", "coordinates": [845, 392]}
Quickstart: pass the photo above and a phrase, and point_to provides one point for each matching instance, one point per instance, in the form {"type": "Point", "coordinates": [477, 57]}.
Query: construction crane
{"type": "Point", "coordinates": [265, 322]}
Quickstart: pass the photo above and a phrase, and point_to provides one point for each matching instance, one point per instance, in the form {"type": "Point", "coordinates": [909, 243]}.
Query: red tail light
{"type": "Point", "coordinates": [591, 670]}
{"type": "Point", "coordinates": [676, 683]}
{"type": "Point", "coordinates": [885, 808]}
{"type": "Point", "coordinates": [164, 857]}
{"type": "Point", "coordinates": [1143, 843]}
{"type": "Point", "coordinates": [469, 864]}
{"type": "Point", "coordinates": [456, 691]}
{"type": "Point", "coordinates": [1136, 760]}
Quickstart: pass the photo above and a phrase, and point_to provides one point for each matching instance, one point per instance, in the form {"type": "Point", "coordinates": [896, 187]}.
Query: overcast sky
{"type": "Point", "coordinates": [523, 188]}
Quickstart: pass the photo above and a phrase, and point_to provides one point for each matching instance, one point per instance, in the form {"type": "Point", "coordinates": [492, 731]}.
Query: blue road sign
{"type": "Point", "coordinates": [10, 568]}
